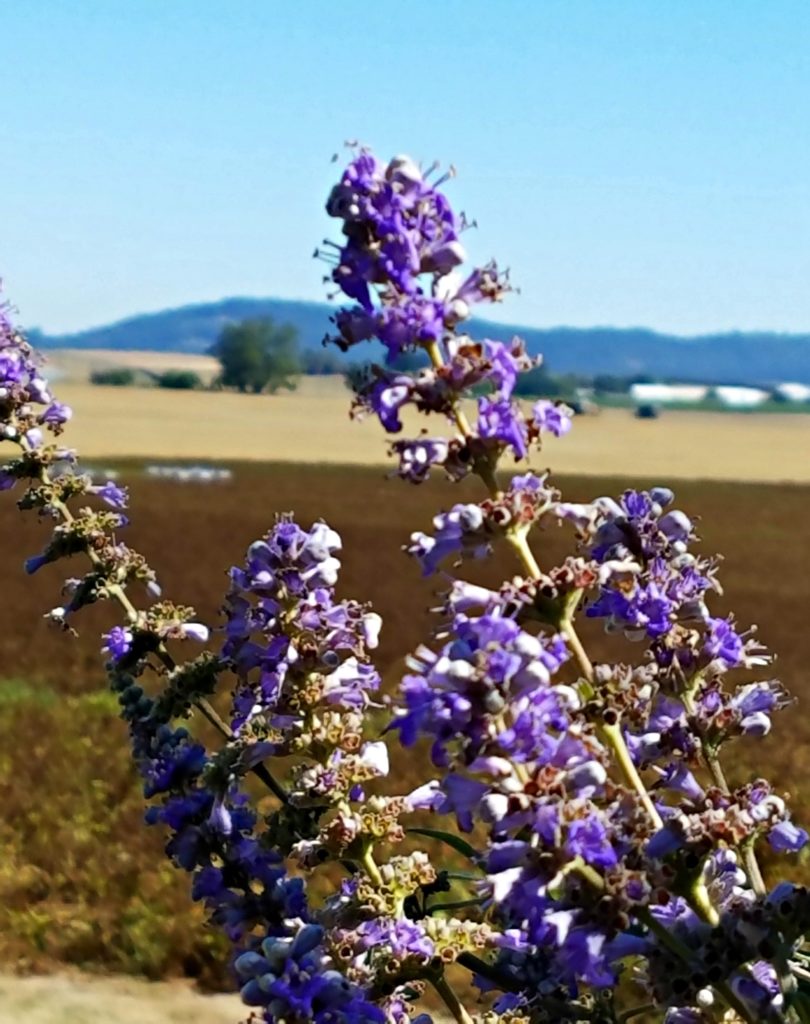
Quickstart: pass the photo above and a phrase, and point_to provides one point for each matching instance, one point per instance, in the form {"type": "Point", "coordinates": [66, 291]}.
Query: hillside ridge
{"type": "Point", "coordinates": [744, 357]}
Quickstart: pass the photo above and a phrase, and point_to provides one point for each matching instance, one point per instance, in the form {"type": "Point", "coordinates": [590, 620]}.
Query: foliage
{"type": "Point", "coordinates": [540, 382]}
{"type": "Point", "coordinates": [179, 380]}
{"type": "Point", "coordinates": [81, 880]}
{"type": "Point", "coordinates": [610, 384]}
{"type": "Point", "coordinates": [119, 377]}
{"type": "Point", "coordinates": [257, 355]}
{"type": "Point", "coordinates": [322, 362]}
{"type": "Point", "coordinates": [609, 856]}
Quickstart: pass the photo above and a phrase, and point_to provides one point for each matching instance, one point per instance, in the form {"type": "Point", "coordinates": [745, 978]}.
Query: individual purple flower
{"type": "Point", "coordinates": [754, 704]}
{"type": "Point", "coordinates": [118, 642]}
{"type": "Point", "coordinates": [506, 363]}
{"type": "Point", "coordinates": [459, 531]}
{"type": "Point", "coordinates": [417, 457]}
{"type": "Point", "coordinates": [759, 989]}
{"type": "Point", "coordinates": [57, 414]}
{"type": "Point", "coordinates": [400, 939]}
{"type": "Point", "coordinates": [724, 642]}
{"type": "Point", "coordinates": [787, 837]}
{"type": "Point", "coordinates": [387, 396]}
{"type": "Point", "coordinates": [552, 417]}
{"type": "Point", "coordinates": [111, 494]}
{"type": "Point", "coordinates": [588, 838]}
{"type": "Point", "coordinates": [501, 420]}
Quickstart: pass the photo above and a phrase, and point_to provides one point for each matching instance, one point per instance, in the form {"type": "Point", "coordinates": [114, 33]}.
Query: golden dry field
{"type": "Point", "coordinates": [312, 425]}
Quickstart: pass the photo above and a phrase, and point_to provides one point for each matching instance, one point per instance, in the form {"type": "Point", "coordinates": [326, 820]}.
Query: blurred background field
{"type": "Point", "coordinates": [72, 998]}
{"type": "Point", "coordinates": [83, 883]}
{"type": "Point", "coordinates": [312, 425]}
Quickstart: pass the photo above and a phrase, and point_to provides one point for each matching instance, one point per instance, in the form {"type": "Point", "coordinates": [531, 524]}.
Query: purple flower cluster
{"type": "Point", "coordinates": [469, 530]}
{"type": "Point", "coordinates": [242, 881]}
{"type": "Point", "coordinates": [300, 655]}
{"type": "Point", "coordinates": [292, 978]}
{"type": "Point", "coordinates": [649, 580]}
{"type": "Point", "coordinates": [469, 365]}
{"type": "Point", "coordinates": [458, 697]}
{"type": "Point", "coordinates": [521, 759]}
{"type": "Point", "coordinates": [212, 835]}
{"type": "Point", "coordinates": [399, 262]}
{"type": "Point", "coordinates": [399, 228]}
{"type": "Point", "coordinates": [23, 389]}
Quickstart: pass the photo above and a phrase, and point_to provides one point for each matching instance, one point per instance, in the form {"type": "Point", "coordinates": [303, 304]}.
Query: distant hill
{"type": "Point", "coordinates": [737, 357]}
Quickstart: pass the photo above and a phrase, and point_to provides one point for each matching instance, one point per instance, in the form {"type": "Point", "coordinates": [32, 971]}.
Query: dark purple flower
{"type": "Point", "coordinates": [117, 643]}
{"type": "Point", "coordinates": [588, 838]}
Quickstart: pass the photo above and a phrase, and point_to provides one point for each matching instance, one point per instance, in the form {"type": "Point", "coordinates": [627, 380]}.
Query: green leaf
{"type": "Point", "coordinates": [456, 842]}
{"type": "Point", "coordinates": [454, 905]}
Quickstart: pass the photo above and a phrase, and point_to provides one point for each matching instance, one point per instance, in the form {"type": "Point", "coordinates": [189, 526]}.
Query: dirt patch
{"type": "Point", "coordinates": [81, 999]}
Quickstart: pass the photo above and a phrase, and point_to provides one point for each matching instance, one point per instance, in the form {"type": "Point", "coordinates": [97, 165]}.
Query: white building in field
{"type": "Point", "coordinates": [793, 392]}
{"type": "Point", "coordinates": [668, 394]}
{"type": "Point", "coordinates": [740, 397]}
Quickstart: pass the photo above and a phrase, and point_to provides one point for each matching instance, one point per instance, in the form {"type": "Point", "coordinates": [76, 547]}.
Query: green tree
{"type": "Point", "coordinates": [179, 380]}
{"type": "Point", "coordinates": [258, 355]}
{"type": "Point", "coordinates": [116, 377]}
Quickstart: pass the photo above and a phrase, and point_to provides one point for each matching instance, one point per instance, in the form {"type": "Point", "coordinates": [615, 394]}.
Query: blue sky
{"type": "Point", "coordinates": [632, 162]}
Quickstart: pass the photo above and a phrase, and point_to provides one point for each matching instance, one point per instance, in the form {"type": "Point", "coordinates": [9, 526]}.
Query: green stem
{"type": "Point", "coordinates": [201, 703]}
{"type": "Point", "coordinates": [370, 865]}
{"type": "Point", "coordinates": [715, 769]}
{"type": "Point", "coordinates": [612, 736]}
{"type": "Point", "coordinates": [451, 1000]}
{"type": "Point", "coordinates": [699, 899]}
{"type": "Point", "coordinates": [520, 545]}
{"type": "Point", "coordinates": [611, 733]}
